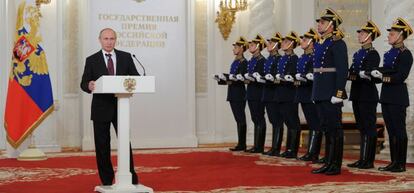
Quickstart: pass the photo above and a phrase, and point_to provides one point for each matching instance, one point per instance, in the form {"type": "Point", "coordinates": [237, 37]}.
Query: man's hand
{"type": "Point", "coordinates": [240, 77]}
{"type": "Point", "coordinates": [376, 74]}
{"type": "Point", "coordinates": [248, 77]}
{"type": "Point", "coordinates": [289, 78]}
{"type": "Point", "coordinates": [278, 77]}
{"type": "Point", "coordinates": [269, 77]}
{"type": "Point", "coordinates": [232, 77]}
{"type": "Point", "coordinates": [336, 100]}
{"type": "Point", "coordinates": [309, 76]}
{"type": "Point", "coordinates": [299, 77]}
{"type": "Point", "coordinates": [91, 86]}
{"type": "Point", "coordinates": [256, 75]}
{"type": "Point", "coordinates": [222, 77]}
{"type": "Point", "coordinates": [363, 75]}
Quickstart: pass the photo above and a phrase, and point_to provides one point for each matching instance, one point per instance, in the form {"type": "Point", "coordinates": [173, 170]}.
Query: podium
{"type": "Point", "coordinates": [124, 87]}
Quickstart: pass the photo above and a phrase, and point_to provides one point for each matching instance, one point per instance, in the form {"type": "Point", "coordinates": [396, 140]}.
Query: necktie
{"type": "Point", "coordinates": [110, 64]}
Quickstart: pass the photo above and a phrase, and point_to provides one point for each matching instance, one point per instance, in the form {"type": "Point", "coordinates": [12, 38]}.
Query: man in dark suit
{"type": "Point", "coordinates": [107, 61]}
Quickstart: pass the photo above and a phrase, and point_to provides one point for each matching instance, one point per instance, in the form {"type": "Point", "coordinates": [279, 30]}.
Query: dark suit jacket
{"type": "Point", "coordinates": [104, 106]}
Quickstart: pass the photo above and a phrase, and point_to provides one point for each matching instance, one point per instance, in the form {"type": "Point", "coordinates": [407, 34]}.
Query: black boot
{"type": "Point", "coordinates": [401, 155]}
{"type": "Point", "coordinates": [277, 137]}
{"type": "Point", "coordinates": [338, 148]}
{"type": "Point", "coordinates": [294, 145]}
{"type": "Point", "coordinates": [369, 157]}
{"type": "Point", "coordinates": [288, 143]}
{"type": "Point", "coordinates": [325, 158]}
{"type": "Point", "coordinates": [363, 147]}
{"type": "Point", "coordinates": [241, 133]}
{"type": "Point", "coordinates": [255, 138]}
{"type": "Point", "coordinates": [308, 153]}
{"type": "Point", "coordinates": [328, 156]}
{"type": "Point", "coordinates": [314, 147]}
{"type": "Point", "coordinates": [261, 138]}
{"type": "Point", "coordinates": [393, 154]}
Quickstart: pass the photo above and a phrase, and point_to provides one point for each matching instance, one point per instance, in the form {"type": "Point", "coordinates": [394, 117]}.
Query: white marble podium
{"type": "Point", "coordinates": [124, 87]}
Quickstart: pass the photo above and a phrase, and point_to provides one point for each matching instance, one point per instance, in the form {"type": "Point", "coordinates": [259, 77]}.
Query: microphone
{"type": "Point", "coordinates": [133, 55]}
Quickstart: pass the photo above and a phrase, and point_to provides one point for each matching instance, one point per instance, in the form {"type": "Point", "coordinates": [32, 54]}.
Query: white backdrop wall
{"type": "Point", "coordinates": [165, 118]}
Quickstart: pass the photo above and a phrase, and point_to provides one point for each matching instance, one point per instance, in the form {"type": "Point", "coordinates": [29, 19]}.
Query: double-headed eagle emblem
{"type": "Point", "coordinates": [130, 84]}
{"type": "Point", "coordinates": [28, 56]}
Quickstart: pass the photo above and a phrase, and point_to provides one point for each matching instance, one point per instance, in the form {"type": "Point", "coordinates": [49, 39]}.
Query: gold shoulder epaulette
{"type": "Point", "coordinates": [336, 38]}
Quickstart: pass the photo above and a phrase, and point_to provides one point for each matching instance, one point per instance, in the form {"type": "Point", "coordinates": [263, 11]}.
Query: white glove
{"type": "Point", "coordinates": [363, 75]}
{"type": "Point", "coordinates": [222, 77]}
{"type": "Point", "coordinates": [256, 75]}
{"type": "Point", "coordinates": [278, 77]}
{"type": "Point", "coordinates": [240, 77]}
{"type": "Point", "coordinates": [232, 77]}
{"type": "Point", "coordinates": [261, 80]}
{"type": "Point", "coordinates": [299, 77]}
{"type": "Point", "coordinates": [216, 77]}
{"type": "Point", "coordinates": [376, 74]}
{"type": "Point", "coordinates": [309, 76]}
{"type": "Point", "coordinates": [248, 77]}
{"type": "Point", "coordinates": [289, 78]}
{"type": "Point", "coordinates": [336, 100]}
{"type": "Point", "coordinates": [269, 77]}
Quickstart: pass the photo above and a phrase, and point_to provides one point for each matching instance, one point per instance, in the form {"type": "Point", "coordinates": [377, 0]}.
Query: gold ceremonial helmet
{"type": "Point", "coordinates": [370, 27]}
{"type": "Point", "coordinates": [312, 34]}
{"type": "Point", "coordinates": [401, 25]}
{"type": "Point", "coordinates": [330, 15]}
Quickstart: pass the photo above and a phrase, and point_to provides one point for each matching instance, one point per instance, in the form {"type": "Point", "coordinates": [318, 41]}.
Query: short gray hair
{"type": "Point", "coordinates": [105, 29]}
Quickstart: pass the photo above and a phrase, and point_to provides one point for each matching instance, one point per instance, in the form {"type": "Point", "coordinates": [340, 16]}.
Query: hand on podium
{"type": "Point", "coordinates": [91, 85]}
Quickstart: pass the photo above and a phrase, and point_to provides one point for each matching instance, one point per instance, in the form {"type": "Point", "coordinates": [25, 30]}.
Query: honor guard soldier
{"type": "Point", "coordinates": [337, 35]}
{"type": "Point", "coordinates": [272, 107]}
{"type": "Point", "coordinates": [285, 94]}
{"type": "Point", "coordinates": [236, 91]}
{"type": "Point", "coordinates": [254, 93]}
{"type": "Point", "coordinates": [394, 94]}
{"type": "Point", "coordinates": [330, 75]}
{"type": "Point", "coordinates": [304, 69]}
{"type": "Point", "coordinates": [364, 94]}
